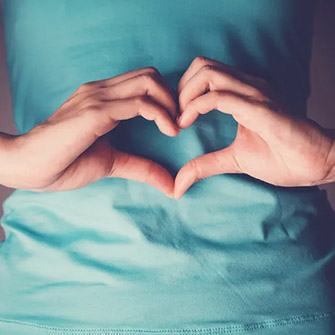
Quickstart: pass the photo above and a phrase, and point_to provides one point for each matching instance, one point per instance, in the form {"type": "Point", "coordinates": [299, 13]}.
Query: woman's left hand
{"type": "Point", "coordinates": [270, 145]}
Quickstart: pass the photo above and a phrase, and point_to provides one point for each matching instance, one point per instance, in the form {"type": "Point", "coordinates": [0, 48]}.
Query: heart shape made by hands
{"type": "Point", "coordinates": [193, 85]}
{"type": "Point", "coordinates": [197, 94]}
{"type": "Point", "coordinates": [268, 131]}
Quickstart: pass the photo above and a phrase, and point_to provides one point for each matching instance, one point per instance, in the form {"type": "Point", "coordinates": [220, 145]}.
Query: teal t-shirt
{"type": "Point", "coordinates": [234, 255]}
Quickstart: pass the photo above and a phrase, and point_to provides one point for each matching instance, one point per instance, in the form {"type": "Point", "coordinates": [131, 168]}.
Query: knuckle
{"type": "Point", "coordinates": [141, 100]}
{"type": "Point", "coordinates": [149, 79]}
{"type": "Point", "coordinates": [78, 90]}
{"type": "Point", "coordinates": [108, 93]}
{"type": "Point", "coordinates": [193, 164]}
{"type": "Point", "coordinates": [85, 86]}
{"type": "Point", "coordinates": [200, 60]}
{"type": "Point", "coordinates": [87, 100]}
{"type": "Point", "coordinates": [152, 70]}
{"type": "Point", "coordinates": [85, 112]}
{"type": "Point", "coordinates": [96, 107]}
{"type": "Point", "coordinates": [100, 96]}
{"type": "Point", "coordinates": [222, 97]}
{"type": "Point", "coordinates": [141, 103]}
{"type": "Point", "coordinates": [207, 69]}
{"type": "Point", "coordinates": [217, 96]}
{"type": "Point", "coordinates": [145, 79]}
{"type": "Point", "coordinates": [92, 109]}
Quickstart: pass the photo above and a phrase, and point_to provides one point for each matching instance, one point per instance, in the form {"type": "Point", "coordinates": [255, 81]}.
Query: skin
{"type": "Point", "coordinates": [69, 150]}
{"type": "Point", "coordinates": [270, 145]}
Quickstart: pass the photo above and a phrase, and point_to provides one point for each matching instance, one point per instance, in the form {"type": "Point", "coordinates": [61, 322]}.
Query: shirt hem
{"type": "Point", "coordinates": [229, 329]}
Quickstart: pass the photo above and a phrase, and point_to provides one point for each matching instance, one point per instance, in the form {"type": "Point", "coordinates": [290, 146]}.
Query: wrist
{"type": "Point", "coordinates": [6, 154]}
{"type": "Point", "coordinates": [332, 170]}
{"type": "Point", "coordinates": [330, 177]}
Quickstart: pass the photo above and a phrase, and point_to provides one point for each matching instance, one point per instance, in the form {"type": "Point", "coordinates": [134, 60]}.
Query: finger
{"type": "Point", "coordinates": [202, 61]}
{"type": "Point", "coordinates": [88, 86]}
{"type": "Point", "coordinates": [66, 138]}
{"type": "Point", "coordinates": [101, 160]}
{"type": "Point", "coordinates": [150, 70]}
{"type": "Point", "coordinates": [143, 170]}
{"type": "Point", "coordinates": [92, 165]}
{"type": "Point", "coordinates": [193, 68]}
{"type": "Point", "coordinates": [161, 90]}
{"type": "Point", "coordinates": [124, 109]}
{"type": "Point", "coordinates": [254, 115]}
{"type": "Point", "coordinates": [105, 116]}
{"type": "Point", "coordinates": [210, 164]}
{"type": "Point", "coordinates": [94, 85]}
{"type": "Point", "coordinates": [150, 84]}
{"type": "Point", "coordinates": [213, 78]}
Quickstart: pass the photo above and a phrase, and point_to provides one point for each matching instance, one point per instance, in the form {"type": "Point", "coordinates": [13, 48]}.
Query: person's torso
{"type": "Point", "coordinates": [121, 248]}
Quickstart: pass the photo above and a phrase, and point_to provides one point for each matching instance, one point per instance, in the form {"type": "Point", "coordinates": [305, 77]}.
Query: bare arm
{"type": "Point", "coordinates": [271, 143]}
{"type": "Point", "coordinates": [69, 150]}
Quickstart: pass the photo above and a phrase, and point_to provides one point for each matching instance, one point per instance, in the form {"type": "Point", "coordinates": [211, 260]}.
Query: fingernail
{"type": "Point", "coordinates": [181, 121]}
{"type": "Point", "coordinates": [170, 195]}
{"type": "Point", "coordinates": [177, 131]}
{"type": "Point", "coordinates": [173, 131]}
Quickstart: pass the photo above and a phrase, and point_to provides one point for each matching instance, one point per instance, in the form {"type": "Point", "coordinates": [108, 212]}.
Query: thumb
{"type": "Point", "coordinates": [210, 164]}
{"type": "Point", "coordinates": [143, 170]}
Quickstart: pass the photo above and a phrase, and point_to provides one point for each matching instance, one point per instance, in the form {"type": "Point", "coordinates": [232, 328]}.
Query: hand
{"type": "Point", "coordinates": [68, 150]}
{"type": "Point", "coordinates": [270, 144]}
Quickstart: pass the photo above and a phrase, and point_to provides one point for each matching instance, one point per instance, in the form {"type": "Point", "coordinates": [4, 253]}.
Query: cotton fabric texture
{"type": "Point", "coordinates": [234, 255]}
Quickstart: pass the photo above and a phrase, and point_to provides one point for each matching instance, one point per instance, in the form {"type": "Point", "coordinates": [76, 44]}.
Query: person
{"type": "Point", "coordinates": [293, 151]}
{"type": "Point", "coordinates": [209, 218]}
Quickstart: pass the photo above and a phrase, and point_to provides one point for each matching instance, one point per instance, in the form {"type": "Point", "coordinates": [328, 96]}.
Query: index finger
{"type": "Point", "coordinates": [194, 67]}
{"type": "Point", "coordinates": [201, 61]}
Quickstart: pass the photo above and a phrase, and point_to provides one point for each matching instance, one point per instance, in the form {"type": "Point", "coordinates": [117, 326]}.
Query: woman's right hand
{"type": "Point", "coordinates": [68, 150]}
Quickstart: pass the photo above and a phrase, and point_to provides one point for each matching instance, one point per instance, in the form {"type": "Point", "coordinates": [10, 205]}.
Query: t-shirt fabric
{"type": "Point", "coordinates": [234, 255]}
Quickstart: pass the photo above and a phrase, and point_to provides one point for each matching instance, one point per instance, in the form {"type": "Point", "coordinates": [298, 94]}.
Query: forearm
{"type": "Point", "coordinates": [330, 178]}
{"type": "Point", "coordinates": [6, 145]}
